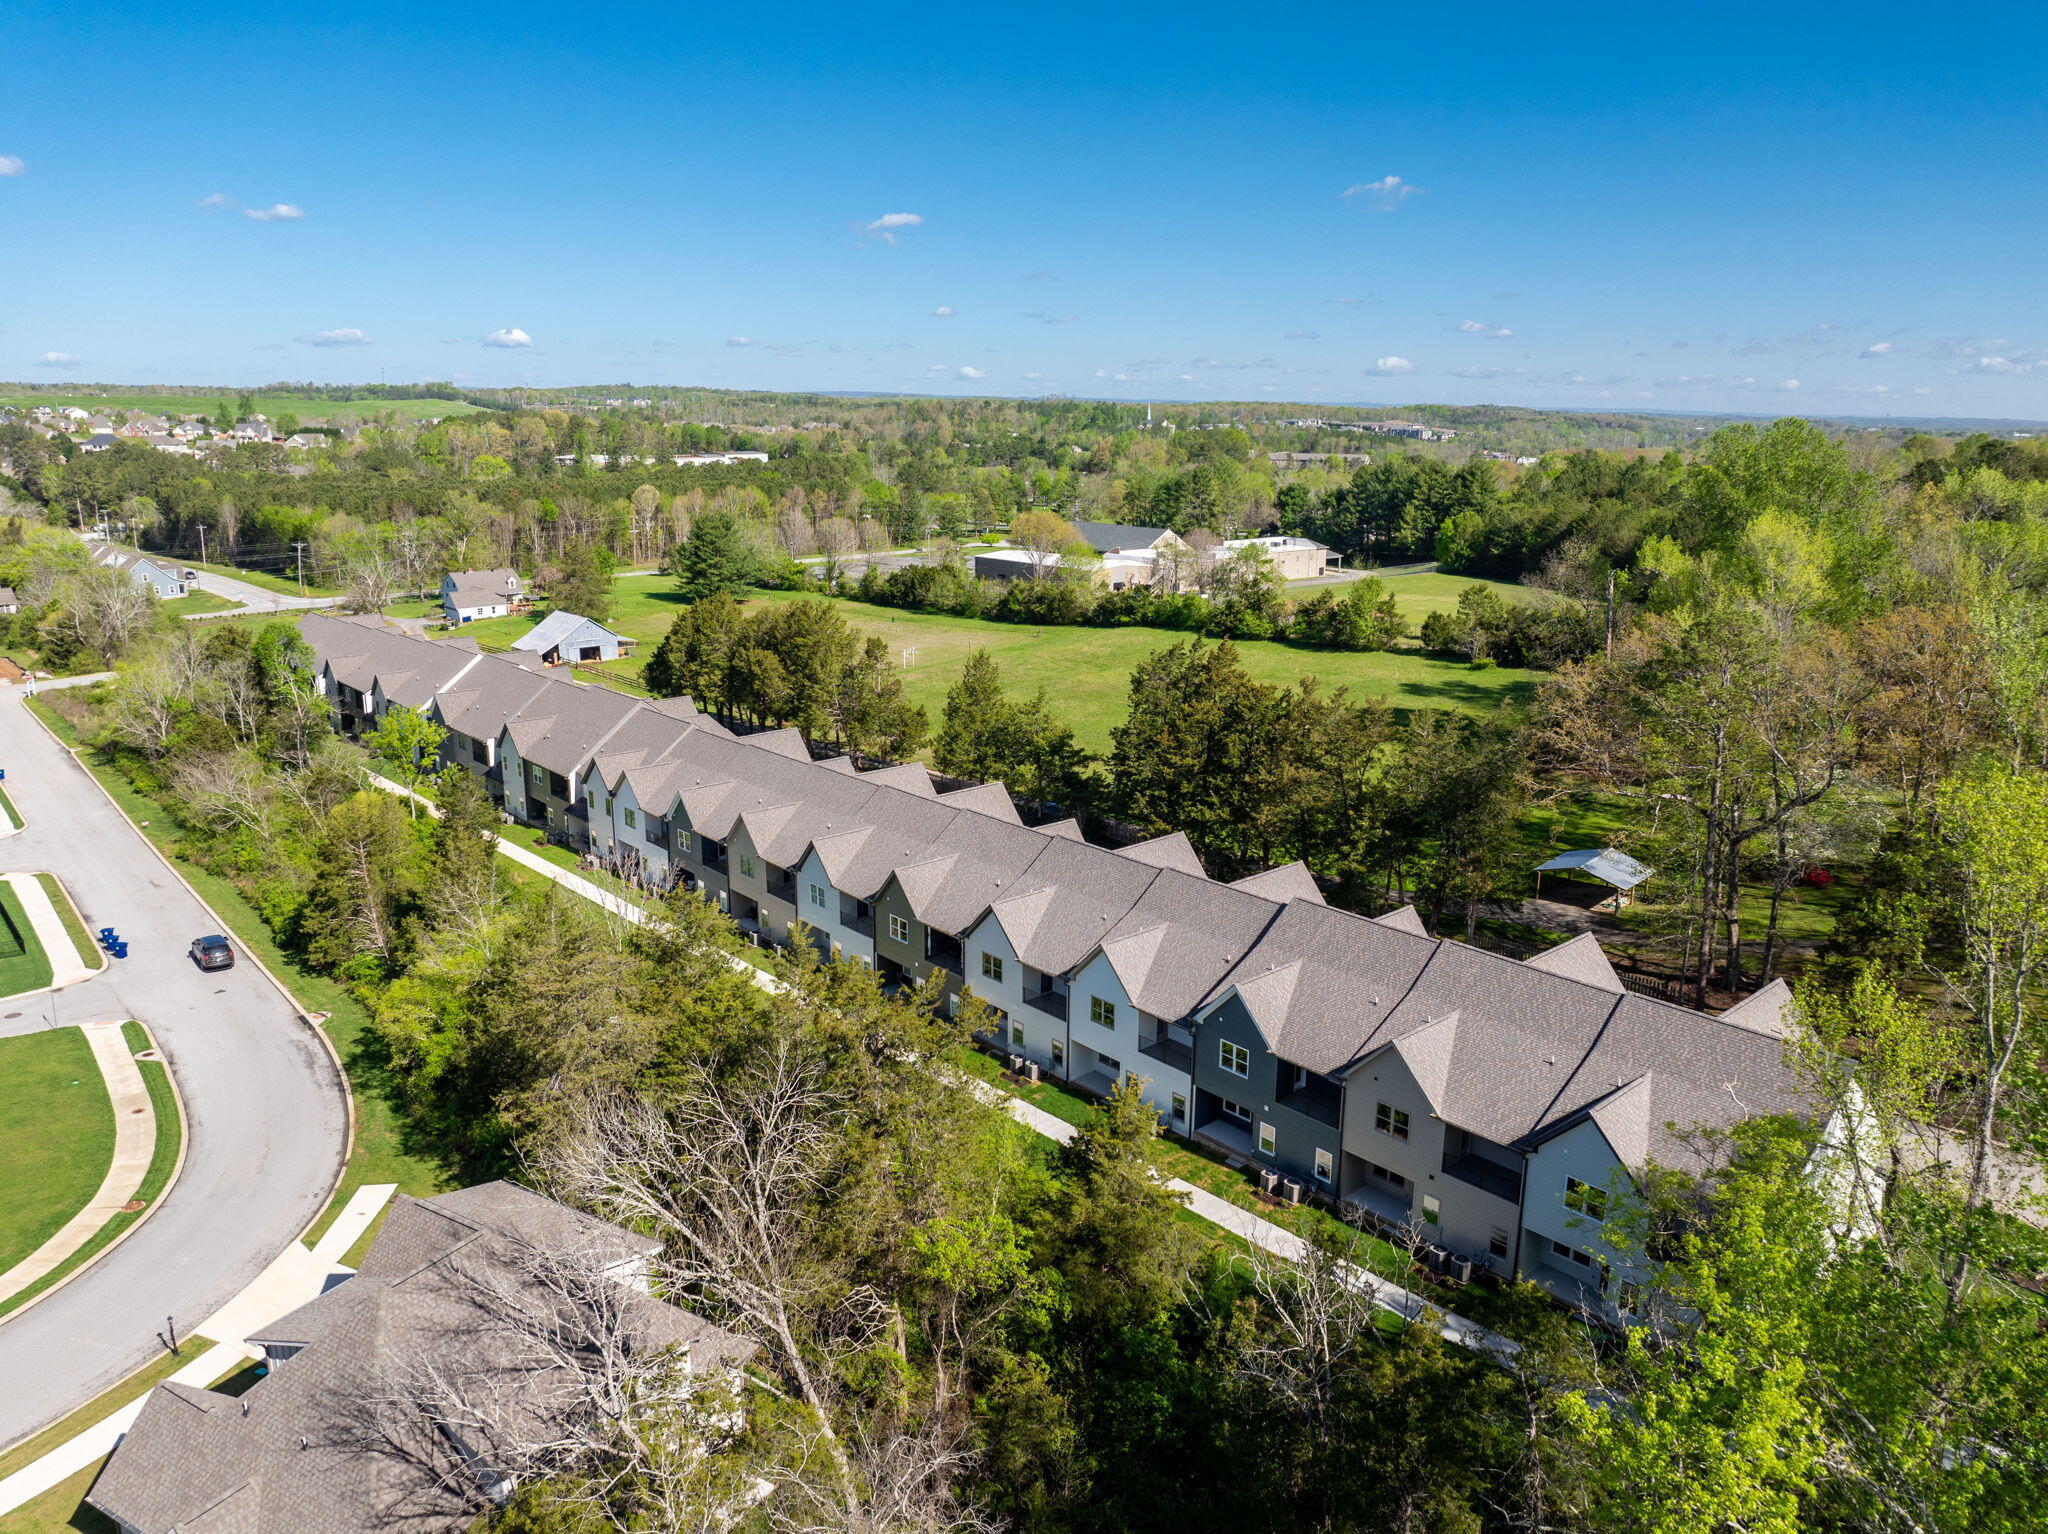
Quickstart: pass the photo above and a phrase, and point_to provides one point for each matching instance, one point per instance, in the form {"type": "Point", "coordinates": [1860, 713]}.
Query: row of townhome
{"type": "Point", "coordinates": [1495, 1106]}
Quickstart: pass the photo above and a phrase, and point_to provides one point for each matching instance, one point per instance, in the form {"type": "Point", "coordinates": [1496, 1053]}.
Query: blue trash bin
{"type": "Point", "coordinates": [120, 950]}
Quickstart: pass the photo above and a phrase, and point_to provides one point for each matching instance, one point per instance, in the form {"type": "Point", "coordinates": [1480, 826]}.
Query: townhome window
{"type": "Point", "coordinates": [899, 929]}
{"type": "Point", "coordinates": [1059, 1056]}
{"type": "Point", "coordinates": [607, 802]}
{"type": "Point", "coordinates": [1109, 1067]}
{"type": "Point", "coordinates": [1432, 1211]}
{"type": "Point", "coordinates": [1237, 1111]}
{"type": "Point", "coordinates": [1571, 1254]}
{"type": "Point", "coordinates": [1234, 1058]}
{"type": "Point", "coordinates": [992, 967]}
{"type": "Point", "coordinates": [1585, 1198]}
{"type": "Point", "coordinates": [1326, 1165]}
{"type": "Point", "coordinates": [1180, 1109]}
{"type": "Point", "coordinates": [1268, 1140]}
{"type": "Point", "coordinates": [632, 817]}
{"type": "Point", "coordinates": [746, 866]}
{"type": "Point", "coordinates": [1102, 1012]}
{"type": "Point", "coordinates": [818, 896]}
{"type": "Point", "coordinates": [1391, 1121]}
{"type": "Point", "coordinates": [1017, 1034]}
{"type": "Point", "coordinates": [1497, 1244]}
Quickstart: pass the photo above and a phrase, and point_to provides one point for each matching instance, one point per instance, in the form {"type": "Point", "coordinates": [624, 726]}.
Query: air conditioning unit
{"type": "Point", "coordinates": [1460, 1268]}
{"type": "Point", "coordinates": [1292, 1189]}
{"type": "Point", "coordinates": [1031, 1072]}
{"type": "Point", "coordinates": [1016, 1064]}
{"type": "Point", "coordinates": [1269, 1180]}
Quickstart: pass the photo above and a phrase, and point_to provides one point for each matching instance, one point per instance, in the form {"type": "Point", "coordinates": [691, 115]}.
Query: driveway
{"type": "Point", "coordinates": [266, 1112]}
{"type": "Point", "coordinates": [251, 599]}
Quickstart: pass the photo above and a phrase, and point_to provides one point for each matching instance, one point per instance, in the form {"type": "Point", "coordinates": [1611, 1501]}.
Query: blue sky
{"type": "Point", "coordinates": [1743, 208]}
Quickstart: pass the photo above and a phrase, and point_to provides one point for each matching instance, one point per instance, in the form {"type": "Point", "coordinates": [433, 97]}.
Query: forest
{"type": "Point", "coordinates": [1811, 653]}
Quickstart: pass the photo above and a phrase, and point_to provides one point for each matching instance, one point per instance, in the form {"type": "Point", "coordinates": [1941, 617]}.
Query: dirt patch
{"type": "Point", "coordinates": [9, 672]}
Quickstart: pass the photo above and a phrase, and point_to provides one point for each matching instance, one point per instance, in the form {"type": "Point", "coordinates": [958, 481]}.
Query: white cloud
{"type": "Point", "coordinates": [1787, 385]}
{"type": "Point", "coordinates": [510, 338]}
{"type": "Point", "coordinates": [12, 165]}
{"type": "Point", "coordinates": [59, 360]}
{"type": "Point", "coordinates": [276, 213]}
{"type": "Point", "coordinates": [1473, 327]}
{"type": "Point", "coordinates": [1302, 335]}
{"type": "Point", "coordinates": [1034, 377]}
{"type": "Point", "coordinates": [1186, 378]}
{"type": "Point", "coordinates": [1500, 333]}
{"type": "Point", "coordinates": [885, 227]}
{"type": "Point", "coordinates": [739, 340]}
{"type": "Point", "coordinates": [944, 311]}
{"type": "Point", "coordinates": [2004, 365]}
{"type": "Point", "coordinates": [347, 336]}
{"type": "Point", "coordinates": [1389, 192]}
{"type": "Point", "coordinates": [972, 373]}
{"type": "Point", "coordinates": [213, 202]}
{"type": "Point", "coordinates": [1386, 366]}
{"type": "Point", "coordinates": [1877, 348]}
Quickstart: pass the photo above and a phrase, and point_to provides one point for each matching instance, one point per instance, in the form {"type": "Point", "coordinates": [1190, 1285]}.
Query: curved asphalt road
{"type": "Point", "coordinates": [266, 1112]}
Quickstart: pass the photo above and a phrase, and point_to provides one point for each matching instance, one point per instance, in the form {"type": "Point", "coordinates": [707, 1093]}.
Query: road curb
{"type": "Point", "coordinates": [170, 1184]}
{"type": "Point", "coordinates": [305, 1017]}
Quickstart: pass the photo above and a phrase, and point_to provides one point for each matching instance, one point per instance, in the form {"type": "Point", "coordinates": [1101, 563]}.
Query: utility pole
{"type": "Point", "coordinates": [202, 543]}
{"type": "Point", "coordinates": [1610, 613]}
{"type": "Point", "coordinates": [300, 547]}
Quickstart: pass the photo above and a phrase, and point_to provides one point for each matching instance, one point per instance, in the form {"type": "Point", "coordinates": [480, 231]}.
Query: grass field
{"type": "Point", "coordinates": [312, 412]}
{"type": "Point", "coordinates": [163, 1161]}
{"type": "Point", "coordinates": [9, 815]}
{"type": "Point", "coordinates": [28, 970]}
{"type": "Point", "coordinates": [56, 1136]}
{"type": "Point", "coordinates": [1086, 671]}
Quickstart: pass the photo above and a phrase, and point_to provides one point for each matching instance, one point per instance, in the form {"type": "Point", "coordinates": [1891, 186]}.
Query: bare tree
{"type": "Point", "coordinates": [549, 1365]}
{"type": "Point", "coordinates": [729, 1173]}
{"type": "Point", "coordinates": [837, 538]}
{"type": "Point", "coordinates": [226, 790]}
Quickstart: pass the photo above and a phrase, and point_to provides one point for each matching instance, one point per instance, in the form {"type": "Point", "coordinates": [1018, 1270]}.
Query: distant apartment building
{"type": "Point", "coordinates": [1497, 1108]}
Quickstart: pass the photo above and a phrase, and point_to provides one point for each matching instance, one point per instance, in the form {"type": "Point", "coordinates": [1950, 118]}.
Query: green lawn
{"type": "Point", "coordinates": [197, 602]}
{"type": "Point", "coordinates": [163, 1161]}
{"type": "Point", "coordinates": [28, 970]}
{"type": "Point", "coordinates": [380, 1154]}
{"type": "Point", "coordinates": [74, 925]}
{"type": "Point", "coordinates": [413, 607]}
{"type": "Point", "coordinates": [1086, 671]}
{"type": "Point", "coordinates": [7, 806]}
{"type": "Point", "coordinates": [311, 412]}
{"type": "Point", "coordinates": [56, 1136]}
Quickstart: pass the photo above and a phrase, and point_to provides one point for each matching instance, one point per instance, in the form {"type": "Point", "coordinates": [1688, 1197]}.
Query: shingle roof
{"type": "Point", "coordinates": [1607, 864]}
{"type": "Point", "coordinates": [1107, 537]}
{"type": "Point", "coordinates": [292, 1452]}
{"type": "Point", "coordinates": [1534, 1045]}
{"type": "Point", "coordinates": [483, 588]}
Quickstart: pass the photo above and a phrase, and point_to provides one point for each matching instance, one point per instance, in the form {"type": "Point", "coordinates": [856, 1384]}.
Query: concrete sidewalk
{"type": "Point", "coordinates": [134, 1149]}
{"type": "Point", "coordinates": [67, 964]}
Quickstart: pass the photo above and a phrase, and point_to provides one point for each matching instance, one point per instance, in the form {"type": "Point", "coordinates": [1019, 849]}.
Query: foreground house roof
{"type": "Point", "coordinates": [299, 1451]}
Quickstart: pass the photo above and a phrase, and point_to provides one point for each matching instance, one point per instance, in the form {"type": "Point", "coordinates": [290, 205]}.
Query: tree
{"type": "Point", "coordinates": [987, 737]}
{"type": "Point", "coordinates": [362, 888]}
{"type": "Point", "coordinates": [714, 558]}
{"type": "Point", "coordinates": [1121, 1247]}
{"type": "Point", "coordinates": [462, 854]}
{"type": "Point", "coordinates": [1044, 534]}
{"type": "Point", "coordinates": [874, 718]}
{"type": "Point", "coordinates": [695, 656]}
{"type": "Point", "coordinates": [405, 741]}
{"type": "Point", "coordinates": [583, 582]}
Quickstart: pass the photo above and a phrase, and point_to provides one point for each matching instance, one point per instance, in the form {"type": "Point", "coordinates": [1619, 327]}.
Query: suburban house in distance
{"type": "Point", "coordinates": [569, 638]}
{"type": "Point", "coordinates": [1495, 1107]}
{"type": "Point", "coordinates": [161, 577]}
{"type": "Point", "coordinates": [467, 595]}
{"type": "Point", "coordinates": [326, 1443]}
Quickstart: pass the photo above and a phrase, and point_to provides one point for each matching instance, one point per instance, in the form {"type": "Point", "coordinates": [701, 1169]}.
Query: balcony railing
{"type": "Point", "coordinates": [1170, 1053]}
{"type": "Point", "coordinates": [1319, 1099]}
{"type": "Point", "coordinates": [1503, 1182]}
{"type": "Point", "coordinates": [1051, 1003]}
{"type": "Point", "coordinates": [855, 917]}
{"type": "Point", "coordinates": [782, 885]}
